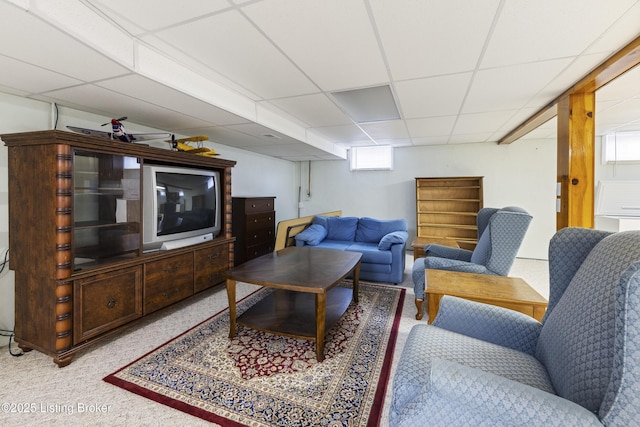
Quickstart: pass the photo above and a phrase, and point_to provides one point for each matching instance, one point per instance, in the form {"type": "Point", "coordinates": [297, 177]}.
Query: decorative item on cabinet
{"type": "Point", "coordinates": [254, 222]}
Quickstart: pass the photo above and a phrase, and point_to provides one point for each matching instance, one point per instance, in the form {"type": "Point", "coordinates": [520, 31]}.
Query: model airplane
{"type": "Point", "coordinates": [118, 132]}
{"type": "Point", "coordinates": [182, 144]}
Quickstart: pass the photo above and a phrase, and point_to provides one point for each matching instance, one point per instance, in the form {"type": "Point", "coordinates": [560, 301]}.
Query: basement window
{"type": "Point", "coordinates": [621, 147]}
{"type": "Point", "coordinates": [375, 157]}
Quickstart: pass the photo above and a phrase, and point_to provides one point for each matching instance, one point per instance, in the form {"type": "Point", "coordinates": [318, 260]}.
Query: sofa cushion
{"type": "Point", "coordinates": [312, 235]}
{"type": "Point", "coordinates": [341, 228]}
{"type": "Point", "coordinates": [370, 253]}
{"type": "Point", "coordinates": [391, 239]}
{"type": "Point", "coordinates": [339, 245]}
{"type": "Point", "coordinates": [372, 230]}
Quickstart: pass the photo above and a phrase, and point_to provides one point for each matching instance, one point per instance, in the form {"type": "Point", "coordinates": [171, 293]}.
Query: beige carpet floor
{"type": "Point", "coordinates": [35, 392]}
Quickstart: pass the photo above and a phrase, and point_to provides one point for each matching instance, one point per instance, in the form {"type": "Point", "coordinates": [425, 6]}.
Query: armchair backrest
{"type": "Point", "coordinates": [501, 234]}
{"type": "Point", "coordinates": [589, 341]}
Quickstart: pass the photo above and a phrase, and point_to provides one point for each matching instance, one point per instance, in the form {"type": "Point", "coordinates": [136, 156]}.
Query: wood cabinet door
{"type": "Point", "coordinates": [106, 301]}
{"type": "Point", "coordinates": [210, 266]}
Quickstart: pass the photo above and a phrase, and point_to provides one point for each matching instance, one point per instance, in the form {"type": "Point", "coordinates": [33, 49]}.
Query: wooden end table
{"type": "Point", "coordinates": [509, 292]}
{"type": "Point", "coordinates": [306, 302]}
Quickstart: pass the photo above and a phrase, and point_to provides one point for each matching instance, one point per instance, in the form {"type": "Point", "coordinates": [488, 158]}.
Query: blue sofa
{"type": "Point", "coordinates": [382, 243]}
{"type": "Point", "coordinates": [485, 365]}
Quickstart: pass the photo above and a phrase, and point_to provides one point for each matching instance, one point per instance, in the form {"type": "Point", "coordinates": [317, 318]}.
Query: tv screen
{"type": "Point", "coordinates": [179, 203]}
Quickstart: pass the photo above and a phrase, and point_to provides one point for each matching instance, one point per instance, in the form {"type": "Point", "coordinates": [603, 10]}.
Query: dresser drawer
{"type": "Point", "coordinates": [258, 204]}
{"type": "Point", "coordinates": [260, 236]}
{"type": "Point", "coordinates": [106, 301]}
{"type": "Point", "coordinates": [167, 281]}
{"type": "Point", "coordinates": [210, 266]}
{"type": "Point", "coordinates": [259, 250]}
{"type": "Point", "coordinates": [260, 221]}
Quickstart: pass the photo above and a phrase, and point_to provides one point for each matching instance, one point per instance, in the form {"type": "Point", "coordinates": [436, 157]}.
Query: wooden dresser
{"type": "Point", "coordinates": [254, 220]}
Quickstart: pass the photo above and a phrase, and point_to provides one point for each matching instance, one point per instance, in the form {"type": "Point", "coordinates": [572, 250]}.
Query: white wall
{"type": "Point", "coordinates": [253, 175]}
{"type": "Point", "coordinates": [519, 174]}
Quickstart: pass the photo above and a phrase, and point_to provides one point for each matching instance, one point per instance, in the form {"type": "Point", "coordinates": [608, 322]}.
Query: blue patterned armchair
{"type": "Point", "coordinates": [500, 232]}
{"type": "Point", "coordinates": [485, 365]}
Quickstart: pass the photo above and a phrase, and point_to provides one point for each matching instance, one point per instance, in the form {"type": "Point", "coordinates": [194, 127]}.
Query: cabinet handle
{"type": "Point", "coordinates": [171, 294]}
{"type": "Point", "coordinates": [214, 256]}
{"type": "Point", "coordinates": [112, 302]}
{"type": "Point", "coordinates": [253, 205]}
{"type": "Point", "coordinates": [172, 269]}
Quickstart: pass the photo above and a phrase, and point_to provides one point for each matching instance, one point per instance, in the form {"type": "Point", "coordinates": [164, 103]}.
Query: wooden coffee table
{"type": "Point", "coordinates": [509, 292]}
{"type": "Point", "coordinates": [306, 302]}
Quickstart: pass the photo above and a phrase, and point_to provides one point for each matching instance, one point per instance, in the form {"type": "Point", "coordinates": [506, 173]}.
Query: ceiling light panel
{"type": "Point", "coordinates": [371, 104]}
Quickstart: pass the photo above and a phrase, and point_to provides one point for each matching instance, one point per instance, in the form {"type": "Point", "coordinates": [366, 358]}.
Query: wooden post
{"type": "Point", "coordinates": [575, 161]}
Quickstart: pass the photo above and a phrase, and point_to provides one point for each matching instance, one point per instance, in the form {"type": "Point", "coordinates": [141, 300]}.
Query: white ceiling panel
{"type": "Point", "coordinates": [433, 96]}
{"type": "Point", "coordinates": [230, 44]}
{"type": "Point", "coordinates": [258, 74]}
{"type": "Point", "coordinates": [548, 29]}
{"type": "Point", "coordinates": [430, 38]}
{"type": "Point", "coordinates": [332, 41]}
{"type": "Point", "coordinates": [29, 78]}
{"type": "Point", "coordinates": [431, 126]}
{"type": "Point", "coordinates": [30, 40]}
{"type": "Point", "coordinates": [148, 15]}
{"type": "Point", "coordinates": [509, 88]}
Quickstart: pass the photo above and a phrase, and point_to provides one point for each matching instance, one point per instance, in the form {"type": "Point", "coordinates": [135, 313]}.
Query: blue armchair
{"type": "Point", "coordinates": [486, 365]}
{"type": "Point", "coordinates": [501, 233]}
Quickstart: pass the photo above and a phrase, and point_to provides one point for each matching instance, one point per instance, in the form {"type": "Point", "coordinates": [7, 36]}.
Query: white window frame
{"type": "Point", "coordinates": [371, 157]}
{"type": "Point", "coordinates": [621, 147]}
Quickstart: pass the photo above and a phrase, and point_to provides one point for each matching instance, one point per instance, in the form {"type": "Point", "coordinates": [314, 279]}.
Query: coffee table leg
{"type": "Point", "coordinates": [356, 282]}
{"type": "Point", "coordinates": [231, 295]}
{"type": "Point", "coordinates": [321, 312]}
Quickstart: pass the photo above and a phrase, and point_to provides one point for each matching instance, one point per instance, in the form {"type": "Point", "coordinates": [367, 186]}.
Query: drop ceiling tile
{"type": "Point", "coordinates": [625, 86]}
{"type": "Point", "coordinates": [430, 140]}
{"type": "Point", "coordinates": [428, 38]}
{"type": "Point", "coordinates": [316, 110]}
{"type": "Point", "coordinates": [229, 44]}
{"type": "Point", "coordinates": [481, 122]}
{"type": "Point", "coordinates": [386, 130]}
{"type": "Point", "coordinates": [532, 31]}
{"type": "Point", "coordinates": [433, 96]}
{"type": "Point", "coordinates": [331, 41]}
{"type": "Point", "coordinates": [147, 15]}
{"type": "Point", "coordinates": [30, 79]}
{"type": "Point", "coordinates": [342, 134]}
{"type": "Point", "coordinates": [470, 138]}
{"type": "Point", "coordinates": [47, 47]}
{"type": "Point", "coordinates": [511, 87]}
{"type": "Point", "coordinates": [431, 126]}
{"type": "Point", "coordinates": [620, 34]}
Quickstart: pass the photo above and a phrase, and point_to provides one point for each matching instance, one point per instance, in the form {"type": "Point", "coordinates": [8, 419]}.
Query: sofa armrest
{"type": "Point", "coordinates": [393, 238]}
{"type": "Point", "coordinates": [491, 323]}
{"type": "Point", "coordinates": [434, 250]}
{"type": "Point", "coordinates": [458, 394]}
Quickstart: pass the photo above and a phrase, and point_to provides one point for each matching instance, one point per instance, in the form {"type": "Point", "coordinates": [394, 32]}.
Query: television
{"type": "Point", "coordinates": [181, 206]}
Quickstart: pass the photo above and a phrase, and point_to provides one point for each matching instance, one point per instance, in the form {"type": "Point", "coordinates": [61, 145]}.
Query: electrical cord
{"type": "Point", "coordinates": [5, 262]}
{"type": "Point", "coordinates": [10, 334]}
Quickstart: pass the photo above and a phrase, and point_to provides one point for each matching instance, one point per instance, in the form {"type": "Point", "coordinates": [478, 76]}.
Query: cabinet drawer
{"type": "Point", "coordinates": [260, 236]}
{"type": "Point", "coordinates": [259, 250]}
{"type": "Point", "coordinates": [210, 266]}
{"type": "Point", "coordinates": [260, 221]}
{"type": "Point", "coordinates": [106, 301]}
{"type": "Point", "coordinates": [167, 281]}
{"type": "Point", "coordinates": [258, 204]}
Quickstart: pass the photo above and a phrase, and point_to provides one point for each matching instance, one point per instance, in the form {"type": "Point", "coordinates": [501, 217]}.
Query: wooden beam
{"type": "Point", "coordinates": [575, 161]}
{"type": "Point", "coordinates": [616, 65]}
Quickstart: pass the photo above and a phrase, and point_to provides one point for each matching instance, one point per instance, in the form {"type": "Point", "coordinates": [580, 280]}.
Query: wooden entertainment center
{"type": "Point", "coordinates": [75, 241]}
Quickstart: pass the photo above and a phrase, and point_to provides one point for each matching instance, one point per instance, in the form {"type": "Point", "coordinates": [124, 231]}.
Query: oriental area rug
{"type": "Point", "coordinates": [262, 379]}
